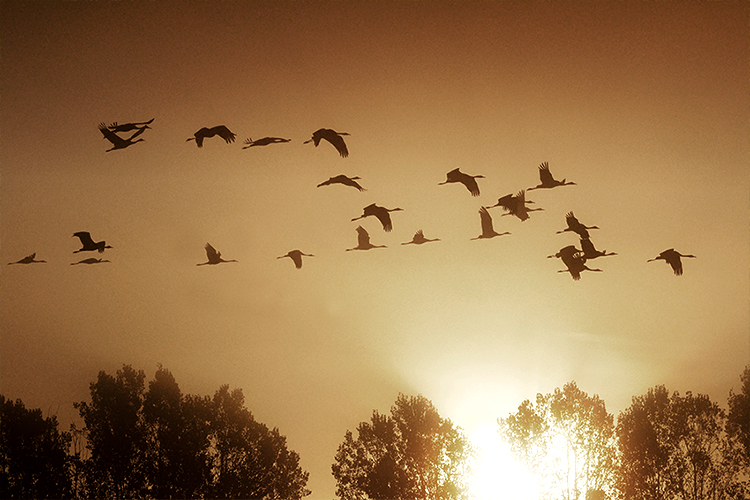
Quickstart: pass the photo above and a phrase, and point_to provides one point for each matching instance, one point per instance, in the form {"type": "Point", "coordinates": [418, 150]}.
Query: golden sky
{"type": "Point", "coordinates": [644, 105]}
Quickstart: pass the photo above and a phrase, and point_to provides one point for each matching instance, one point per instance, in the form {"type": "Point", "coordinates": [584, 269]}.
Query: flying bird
{"type": "Point", "coordinates": [470, 181]}
{"type": "Point", "coordinates": [590, 252]}
{"type": "Point", "coordinates": [672, 258]}
{"type": "Point", "coordinates": [381, 213]}
{"type": "Point", "coordinates": [487, 230]}
{"type": "Point", "coordinates": [419, 238]}
{"type": "Point", "coordinates": [363, 240]}
{"type": "Point", "coordinates": [127, 127]}
{"type": "Point", "coordinates": [575, 226]}
{"type": "Point", "coordinates": [331, 136]}
{"type": "Point", "coordinates": [576, 266]}
{"type": "Point", "coordinates": [296, 257]}
{"type": "Point", "coordinates": [90, 260]}
{"type": "Point", "coordinates": [214, 256]}
{"type": "Point", "coordinates": [548, 182]}
{"type": "Point", "coordinates": [219, 130]}
{"type": "Point", "coordinates": [574, 261]}
{"type": "Point", "coordinates": [29, 259]}
{"type": "Point", "coordinates": [516, 205]}
{"type": "Point", "coordinates": [117, 141]}
{"type": "Point", "coordinates": [265, 141]}
{"type": "Point", "coordinates": [89, 245]}
{"type": "Point", "coordinates": [342, 179]}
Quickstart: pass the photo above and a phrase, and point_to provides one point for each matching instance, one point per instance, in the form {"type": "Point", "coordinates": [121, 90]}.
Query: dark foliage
{"type": "Point", "coordinates": [33, 454]}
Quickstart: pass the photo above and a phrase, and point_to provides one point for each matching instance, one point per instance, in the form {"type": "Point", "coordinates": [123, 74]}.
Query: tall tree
{"type": "Point", "coordinates": [178, 459]}
{"type": "Point", "coordinates": [412, 454]}
{"type": "Point", "coordinates": [161, 443]}
{"type": "Point", "coordinates": [251, 461]}
{"type": "Point", "coordinates": [672, 447]}
{"type": "Point", "coordinates": [566, 439]}
{"type": "Point", "coordinates": [116, 434]}
{"type": "Point", "coordinates": [33, 454]}
{"type": "Point", "coordinates": [738, 437]}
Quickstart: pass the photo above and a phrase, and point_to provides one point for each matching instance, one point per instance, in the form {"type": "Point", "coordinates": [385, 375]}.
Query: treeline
{"type": "Point", "coordinates": [155, 442]}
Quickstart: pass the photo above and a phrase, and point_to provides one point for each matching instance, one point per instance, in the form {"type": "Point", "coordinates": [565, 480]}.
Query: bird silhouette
{"type": "Point", "coordinates": [576, 266]}
{"type": "Point", "coordinates": [576, 227]}
{"type": "Point", "coordinates": [419, 239]}
{"type": "Point", "coordinates": [265, 141]}
{"type": "Point", "coordinates": [89, 245]}
{"type": "Point", "coordinates": [214, 256]}
{"type": "Point", "coordinates": [574, 261]}
{"type": "Point", "coordinates": [516, 205]}
{"type": "Point", "coordinates": [342, 179]}
{"type": "Point", "coordinates": [381, 213]}
{"type": "Point", "coordinates": [590, 252]}
{"type": "Point", "coordinates": [672, 258]}
{"type": "Point", "coordinates": [29, 259]}
{"type": "Point", "coordinates": [470, 181]}
{"type": "Point", "coordinates": [548, 182]}
{"type": "Point", "coordinates": [90, 260]}
{"type": "Point", "coordinates": [117, 141]}
{"type": "Point", "coordinates": [363, 240]}
{"type": "Point", "coordinates": [219, 130]}
{"type": "Point", "coordinates": [127, 127]}
{"type": "Point", "coordinates": [487, 230]}
{"type": "Point", "coordinates": [331, 136]}
{"type": "Point", "coordinates": [296, 257]}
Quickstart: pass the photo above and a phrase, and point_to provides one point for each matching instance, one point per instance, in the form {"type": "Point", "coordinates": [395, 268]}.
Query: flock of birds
{"type": "Point", "coordinates": [573, 258]}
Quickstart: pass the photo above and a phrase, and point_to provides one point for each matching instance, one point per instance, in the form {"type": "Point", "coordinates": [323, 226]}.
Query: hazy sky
{"type": "Point", "coordinates": [645, 105]}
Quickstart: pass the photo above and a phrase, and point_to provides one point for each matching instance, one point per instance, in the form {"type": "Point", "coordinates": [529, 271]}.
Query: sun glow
{"type": "Point", "coordinates": [498, 475]}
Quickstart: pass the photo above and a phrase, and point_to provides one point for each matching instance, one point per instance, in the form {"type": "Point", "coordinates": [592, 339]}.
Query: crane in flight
{"type": "Point", "coordinates": [381, 213]}
{"type": "Point", "coordinates": [547, 181]}
{"type": "Point", "coordinates": [574, 261]}
{"type": "Point", "coordinates": [331, 136]}
{"type": "Point", "coordinates": [516, 205]}
{"type": "Point", "coordinates": [117, 141]}
{"type": "Point", "coordinates": [205, 132]}
{"type": "Point", "coordinates": [29, 259]}
{"type": "Point", "coordinates": [342, 179]}
{"type": "Point", "coordinates": [296, 257]}
{"type": "Point", "coordinates": [363, 240]}
{"type": "Point", "coordinates": [590, 252]}
{"type": "Point", "coordinates": [470, 181]}
{"type": "Point", "coordinates": [90, 260]}
{"type": "Point", "coordinates": [127, 127]}
{"type": "Point", "coordinates": [265, 141]}
{"type": "Point", "coordinates": [672, 257]}
{"type": "Point", "coordinates": [487, 230]}
{"type": "Point", "coordinates": [214, 256]}
{"type": "Point", "coordinates": [575, 226]}
{"type": "Point", "coordinates": [88, 244]}
{"type": "Point", "coordinates": [419, 239]}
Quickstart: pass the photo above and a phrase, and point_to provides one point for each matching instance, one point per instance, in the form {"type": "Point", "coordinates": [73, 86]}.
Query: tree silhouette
{"type": "Point", "coordinates": [163, 444]}
{"type": "Point", "coordinates": [250, 461]}
{"type": "Point", "coordinates": [566, 439]}
{"type": "Point", "coordinates": [33, 454]}
{"type": "Point", "coordinates": [738, 435]}
{"type": "Point", "coordinates": [412, 454]}
{"type": "Point", "coordinates": [672, 447]}
{"type": "Point", "coordinates": [116, 434]}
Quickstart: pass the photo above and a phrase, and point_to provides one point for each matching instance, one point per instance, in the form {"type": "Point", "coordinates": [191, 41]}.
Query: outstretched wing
{"type": "Point", "coordinates": [544, 174]}
{"type": "Point", "coordinates": [486, 220]}
{"type": "Point", "coordinates": [225, 133]}
{"type": "Point", "coordinates": [211, 253]}
{"type": "Point", "coordinates": [363, 237]}
{"type": "Point", "coordinates": [337, 141]}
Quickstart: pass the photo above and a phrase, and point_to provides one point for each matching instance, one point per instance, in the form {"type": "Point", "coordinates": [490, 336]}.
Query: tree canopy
{"type": "Point", "coordinates": [566, 440]}
{"type": "Point", "coordinates": [411, 454]}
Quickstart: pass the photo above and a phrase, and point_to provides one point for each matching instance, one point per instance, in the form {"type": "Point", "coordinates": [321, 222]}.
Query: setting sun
{"type": "Point", "coordinates": [497, 474]}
